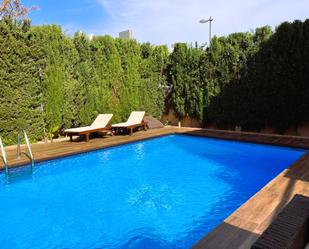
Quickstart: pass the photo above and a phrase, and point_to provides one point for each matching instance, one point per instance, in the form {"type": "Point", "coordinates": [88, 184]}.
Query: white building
{"type": "Point", "coordinates": [127, 34]}
{"type": "Point", "coordinates": [91, 37]}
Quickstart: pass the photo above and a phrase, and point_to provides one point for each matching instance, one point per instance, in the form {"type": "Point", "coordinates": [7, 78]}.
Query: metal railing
{"type": "Point", "coordinates": [3, 156]}
{"type": "Point", "coordinates": [29, 154]}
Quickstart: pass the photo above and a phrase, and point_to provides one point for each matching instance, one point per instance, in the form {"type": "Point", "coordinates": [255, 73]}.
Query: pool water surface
{"type": "Point", "coordinates": [166, 192]}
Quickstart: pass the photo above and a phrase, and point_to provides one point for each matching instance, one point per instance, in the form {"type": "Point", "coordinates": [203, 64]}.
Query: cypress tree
{"type": "Point", "coordinates": [21, 94]}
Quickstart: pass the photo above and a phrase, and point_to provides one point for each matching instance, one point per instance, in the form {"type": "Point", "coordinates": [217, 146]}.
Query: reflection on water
{"type": "Point", "coordinates": [154, 197]}
{"type": "Point", "coordinates": [106, 155]}
{"type": "Point", "coordinates": [18, 174]}
{"type": "Point", "coordinates": [139, 149]}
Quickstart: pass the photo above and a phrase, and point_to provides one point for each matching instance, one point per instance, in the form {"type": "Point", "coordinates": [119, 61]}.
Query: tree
{"type": "Point", "coordinates": [21, 93]}
{"type": "Point", "coordinates": [187, 97]}
{"type": "Point", "coordinates": [109, 75]}
{"type": "Point", "coordinates": [87, 80]}
{"type": "Point", "coordinates": [14, 10]}
{"type": "Point", "coordinates": [130, 54]}
{"type": "Point", "coordinates": [153, 79]}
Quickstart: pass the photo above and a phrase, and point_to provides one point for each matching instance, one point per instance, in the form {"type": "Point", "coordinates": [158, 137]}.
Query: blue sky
{"type": "Point", "coordinates": [166, 21]}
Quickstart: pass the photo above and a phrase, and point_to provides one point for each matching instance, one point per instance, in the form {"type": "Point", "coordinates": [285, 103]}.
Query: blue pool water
{"type": "Point", "coordinates": [160, 193]}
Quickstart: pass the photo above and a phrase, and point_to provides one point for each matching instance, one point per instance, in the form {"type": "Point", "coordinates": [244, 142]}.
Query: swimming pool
{"type": "Point", "coordinates": [166, 192]}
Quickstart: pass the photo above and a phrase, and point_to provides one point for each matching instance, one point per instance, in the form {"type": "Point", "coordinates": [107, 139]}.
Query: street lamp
{"type": "Point", "coordinates": [206, 21]}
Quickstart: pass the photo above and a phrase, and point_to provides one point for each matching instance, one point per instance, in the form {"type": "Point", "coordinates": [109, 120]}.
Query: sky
{"type": "Point", "coordinates": [166, 21]}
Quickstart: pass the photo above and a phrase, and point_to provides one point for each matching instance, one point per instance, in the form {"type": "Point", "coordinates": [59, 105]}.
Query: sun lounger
{"type": "Point", "coordinates": [135, 120]}
{"type": "Point", "coordinates": [101, 123]}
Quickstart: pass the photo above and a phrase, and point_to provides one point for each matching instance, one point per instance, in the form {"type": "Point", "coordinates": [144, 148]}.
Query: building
{"type": "Point", "coordinates": [127, 34]}
{"type": "Point", "coordinates": [90, 36]}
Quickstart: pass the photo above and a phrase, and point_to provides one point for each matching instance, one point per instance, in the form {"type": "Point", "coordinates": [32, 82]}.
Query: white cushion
{"type": "Point", "coordinates": [134, 119]}
{"type": "Point", "coordinates": [101, 121]}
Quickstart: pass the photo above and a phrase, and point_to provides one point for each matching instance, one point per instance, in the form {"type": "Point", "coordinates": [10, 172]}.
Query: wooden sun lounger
{"type": "Point", "coordinates": [101, 123]}
{"type": "Point", "coordinates": [135, 120]}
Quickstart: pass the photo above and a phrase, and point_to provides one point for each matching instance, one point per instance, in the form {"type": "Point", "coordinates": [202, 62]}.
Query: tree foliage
{"type": "Point", "coordinates": [21, 93]}
{"type": "Point", "coordinates": [183, 74]}
{"type": "Point", "coordinates": [14, 10]}
{"type": "Point", "coordinates": [74, 78]}
{"type": "Point", "coordinates": [249, 79]}
{"type": "Point", "coordinates": [273, 90]}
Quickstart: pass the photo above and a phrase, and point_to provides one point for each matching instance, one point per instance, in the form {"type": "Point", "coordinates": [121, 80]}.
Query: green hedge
{"type": "Point", "coordinates": [197, 75]}
{"type": "Point", "coordinates": [273, 90]}
{"type": "Point", "coordinates": [252, 79]}
{"type": "Point", "coordinates": [20, 88]}
{"type": "Point", "coordinates": [73, 79]}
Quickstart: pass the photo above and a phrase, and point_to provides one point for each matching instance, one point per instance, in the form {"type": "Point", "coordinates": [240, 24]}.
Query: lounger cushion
{"type": "Point", "coordinates": [135, 118]}
{"type": "Point", "coordinates": [79, 129]}
{"type": "Point", "coordinates": [100, 122]}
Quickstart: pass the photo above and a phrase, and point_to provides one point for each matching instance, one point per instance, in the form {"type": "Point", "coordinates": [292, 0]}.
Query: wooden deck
{"type": "Point", "coordinates": [241, 228]}
{"type": "Point", "coordinates": [43, 152]}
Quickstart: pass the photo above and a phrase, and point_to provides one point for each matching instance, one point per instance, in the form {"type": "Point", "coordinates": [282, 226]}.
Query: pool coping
{"type": "Point", "coordinates": [244, 225]}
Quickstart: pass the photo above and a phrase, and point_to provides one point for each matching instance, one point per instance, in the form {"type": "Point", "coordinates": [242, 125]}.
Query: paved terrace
{"type": "Point", "coordinates": [240, 229]}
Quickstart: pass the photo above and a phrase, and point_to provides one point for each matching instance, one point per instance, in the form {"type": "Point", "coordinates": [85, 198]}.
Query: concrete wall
{"type": "Point", "coordinates": [171, 119]}
{"type": "Point", "coordinates": [303, 130]}
{"type": "Point", "coordinates": [300, 130]}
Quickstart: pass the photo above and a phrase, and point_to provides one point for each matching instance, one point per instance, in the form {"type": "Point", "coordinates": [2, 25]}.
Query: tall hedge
{"type": "Point", "coordinates": [51, 81]}
{"type": "Point", "coordinates": [187, 88]}
{"type": "Point", "coordinates": [197, 75]}
{"type": "Point", "coordinates": [20, 89]}
{"type": "Point", "coordinates": [57, 78]}
{"type": "Point", "coordinates": [274, 90]}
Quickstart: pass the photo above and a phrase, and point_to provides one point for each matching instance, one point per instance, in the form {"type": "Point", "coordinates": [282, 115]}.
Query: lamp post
{"type": "Point", "coordinates": [206, 21]}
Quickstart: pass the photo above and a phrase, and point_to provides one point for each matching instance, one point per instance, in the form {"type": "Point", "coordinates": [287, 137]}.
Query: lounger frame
{"type": "Point", "coordinates": [90, 131]}
{"type": "Point", "coordinates": [130, 128]}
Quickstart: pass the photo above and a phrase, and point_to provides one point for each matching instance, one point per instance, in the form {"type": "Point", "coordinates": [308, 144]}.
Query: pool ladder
{"type": "Point", "coordinates": [29, 154]}
{"type": "Point", "coordinates": [3, 157]}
